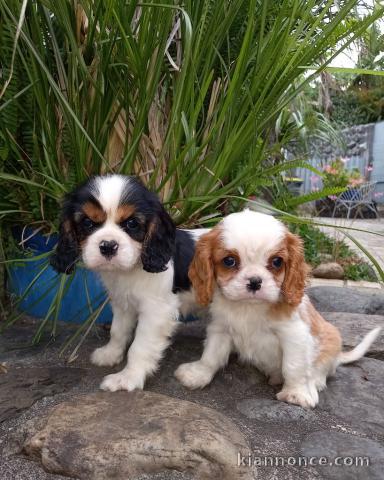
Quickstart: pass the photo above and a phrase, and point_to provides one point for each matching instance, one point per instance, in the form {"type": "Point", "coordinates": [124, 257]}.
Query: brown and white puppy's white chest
{"type": "Point", "coordinates": [252, 334]}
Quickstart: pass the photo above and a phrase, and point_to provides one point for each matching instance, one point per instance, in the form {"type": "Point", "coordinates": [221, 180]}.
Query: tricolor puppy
{"type": "Point", "coordinates": [251, 271]}
{"type": "Point", "coordinates": [122, 231]}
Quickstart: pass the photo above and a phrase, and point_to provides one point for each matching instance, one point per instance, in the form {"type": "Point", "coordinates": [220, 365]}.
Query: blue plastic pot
{"type": "Point", "coordinates": [84, 292]}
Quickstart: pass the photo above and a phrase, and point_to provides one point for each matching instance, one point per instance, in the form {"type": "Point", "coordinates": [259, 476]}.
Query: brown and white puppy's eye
{"type": "Point", "coordinates": [230, 262]}
{"type": "Point", "coordinates": [277, 263]}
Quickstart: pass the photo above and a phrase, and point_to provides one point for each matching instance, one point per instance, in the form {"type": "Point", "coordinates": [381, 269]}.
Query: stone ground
{"type": "Point", "coordinates": [373, 243]}
{"type": "Point", "coordinates": [54, 424]}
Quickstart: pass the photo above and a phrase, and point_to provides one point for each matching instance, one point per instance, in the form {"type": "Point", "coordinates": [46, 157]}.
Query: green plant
{"type": "Point", "coordinates": [184, 102]}
{"type": "Point", "coordinates": [360, 271]}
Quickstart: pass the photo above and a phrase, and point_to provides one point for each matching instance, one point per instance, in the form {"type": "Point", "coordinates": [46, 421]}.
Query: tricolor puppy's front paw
{"type": "Point", "coordinates": [302, 395]}
{"type": "Point", "coordinates": [106, 356]}
{"type": "Point", "coordinates": [122, 381]}
{"type": "Point", "coordinates": [194, 375]}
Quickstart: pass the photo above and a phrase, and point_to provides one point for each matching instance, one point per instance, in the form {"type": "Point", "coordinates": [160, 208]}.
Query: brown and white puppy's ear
{"type": "Point", "coordinates": [201, 271]}
{"type": "Point", "coordinates": [296, 271]}
{"type": "Point", "coordinates": [67, 252]}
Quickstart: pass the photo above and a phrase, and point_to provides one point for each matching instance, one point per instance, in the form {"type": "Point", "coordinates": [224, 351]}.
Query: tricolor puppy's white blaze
{"type": "Point", "coordinates": [122, 231]}
{"type": "Point", "coordinates": [251, 272]}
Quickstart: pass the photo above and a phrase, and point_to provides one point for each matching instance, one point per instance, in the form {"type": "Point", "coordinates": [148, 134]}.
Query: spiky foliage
{"type": "Point", "coordinates": [185, 98]}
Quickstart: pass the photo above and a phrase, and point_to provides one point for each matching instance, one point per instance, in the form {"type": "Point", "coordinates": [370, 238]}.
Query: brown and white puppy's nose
{"type": "Point", "coordinates": [108, 248]}
{"type": "Point", "coordinates": [254, 284]}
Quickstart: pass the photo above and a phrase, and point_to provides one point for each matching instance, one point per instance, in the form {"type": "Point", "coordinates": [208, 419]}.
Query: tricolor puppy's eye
{"type": "Point", "coordinates": [229, 262]}
{"type": "Point", "coordinates": [131, 224]}
{"type": "Point", "coordinates": [277, 262]}
{"type": "Point", "coordinates": [87, 223]}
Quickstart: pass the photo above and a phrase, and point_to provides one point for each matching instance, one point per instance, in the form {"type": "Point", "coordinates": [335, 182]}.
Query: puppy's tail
{"type": "Point", "coordinates": [361, 349]}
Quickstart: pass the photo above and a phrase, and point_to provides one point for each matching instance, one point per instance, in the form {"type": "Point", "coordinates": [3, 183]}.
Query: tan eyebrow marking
{"type": "Point", "coordinates": [123, 212]}
{"type": "Point", "coordinates": [95, 213]}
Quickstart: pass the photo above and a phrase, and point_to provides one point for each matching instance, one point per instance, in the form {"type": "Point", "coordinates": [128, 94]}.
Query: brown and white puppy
{"type": "Point", "coordinates": [251, 272]}
{"type": "Point", "coordinates": [120, 230]}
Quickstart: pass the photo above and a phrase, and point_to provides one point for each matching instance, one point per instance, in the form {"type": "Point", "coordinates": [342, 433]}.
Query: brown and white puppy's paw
{"type": "Point", "coordinates": [194, 375]}
{"type": "Point", "coordinates": [302, 395]}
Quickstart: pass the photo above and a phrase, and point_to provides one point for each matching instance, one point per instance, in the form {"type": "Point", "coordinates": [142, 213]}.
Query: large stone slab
{"type": "Point", "coordinates": [265, 409]}
{"type": "Point", "coordinates": [341, 299]}
{"type": "Point", "coordinates": [356, 395]}
{"type": "Point", "coordinates": [344, 456]}
{"type": "Point", "coordinates": [125, 435]}
{"type": "Point", "coordinates": [353, 327]}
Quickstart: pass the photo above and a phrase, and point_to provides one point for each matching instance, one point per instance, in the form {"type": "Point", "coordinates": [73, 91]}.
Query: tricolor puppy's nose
{"type": "Point", "coordinates": [108, 248]}
{"type": "Point", "coordinates": [254, 283]}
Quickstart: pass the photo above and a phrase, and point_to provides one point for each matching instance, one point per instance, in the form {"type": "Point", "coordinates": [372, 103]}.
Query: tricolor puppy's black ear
{"type": "Point", "coordinates": [67, 252]}
{"type": "Point", "coordinates": [159, 242]}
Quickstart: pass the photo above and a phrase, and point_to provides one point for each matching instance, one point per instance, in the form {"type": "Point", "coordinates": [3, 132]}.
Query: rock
{"type": "Point", "coordinates": [326, 257]}
{"type": "Point", "coordinates": [329, 270]}
{"type": "Point", "coordinates": [120, 435]}
{"type": "Point", "coordinates": [353, 327]}
{"type": "Point", "coordinates": [356, 395]}
{"type": "Point", "coordinates": [22, 387]}
{"type": "Point", "coordinates": [340, 299]}
{"type": "Point", "coordinates": [362, 458]}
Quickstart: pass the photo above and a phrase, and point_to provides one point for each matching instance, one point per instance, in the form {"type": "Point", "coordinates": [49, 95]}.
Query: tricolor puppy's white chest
{"type": "Point", "coordinates": [137, 287]}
